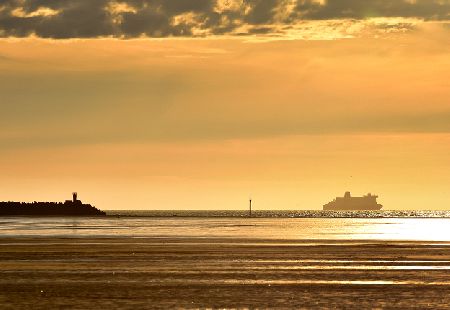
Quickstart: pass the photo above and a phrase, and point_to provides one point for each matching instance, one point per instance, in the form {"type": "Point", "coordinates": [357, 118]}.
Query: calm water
{"type": "Point", "coordinates": [285, 213]}
{"type": "Point", "coordinates": [220, 224]}
{"type": "Point", "coordinates": [198, 260]}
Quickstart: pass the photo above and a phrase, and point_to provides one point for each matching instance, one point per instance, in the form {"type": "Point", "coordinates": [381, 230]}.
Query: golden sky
{"type": "Point", "coordinates": [200, 104]}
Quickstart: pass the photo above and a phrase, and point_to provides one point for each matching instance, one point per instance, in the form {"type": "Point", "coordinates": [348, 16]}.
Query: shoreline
{"type": "Point", "coordinates": [129, 239]}
{"type": "Point", "coordinates": [80, 273]}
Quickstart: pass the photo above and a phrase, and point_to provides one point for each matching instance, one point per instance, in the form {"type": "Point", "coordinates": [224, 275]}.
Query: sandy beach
{"type": "Point", "coordinates": [130, 273]}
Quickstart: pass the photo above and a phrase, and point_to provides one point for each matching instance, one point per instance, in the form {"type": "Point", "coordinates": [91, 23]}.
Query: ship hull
{"type": "Point", "coordinates": [353, 208]}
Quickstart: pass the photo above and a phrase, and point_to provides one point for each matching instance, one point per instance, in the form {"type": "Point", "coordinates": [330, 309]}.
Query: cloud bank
{"type": "Point", "coordinates": [66, 19]}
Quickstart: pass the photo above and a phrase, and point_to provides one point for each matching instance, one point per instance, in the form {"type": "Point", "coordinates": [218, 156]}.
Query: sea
{"type": "Point", "coordinates": [291, 225]}
{"type": "Point", "coordinates": [227, 260]}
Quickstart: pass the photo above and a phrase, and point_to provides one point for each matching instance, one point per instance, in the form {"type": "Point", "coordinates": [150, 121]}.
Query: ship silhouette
{"type": "Point", "coordinates": [367, 202]}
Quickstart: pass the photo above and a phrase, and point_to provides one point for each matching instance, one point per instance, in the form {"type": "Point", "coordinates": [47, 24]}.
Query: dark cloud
{"type": "Point", "coordinates": [164, 18]}
{"type": "Point", "coordinates": [262, 11]}
{"type": "Point", "coordinates": [427, 9]}
{"type": "Point", "coordinates": [76, 19]}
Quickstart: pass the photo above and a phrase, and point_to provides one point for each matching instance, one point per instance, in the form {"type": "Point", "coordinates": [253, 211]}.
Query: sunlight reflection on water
{"type": "Point", "coordinates": [420, 229]}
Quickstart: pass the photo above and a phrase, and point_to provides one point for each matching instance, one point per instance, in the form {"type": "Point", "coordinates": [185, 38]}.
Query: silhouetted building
{"type": "Point", "coordinates": [367, 202]}
{"type": "Point", "coordinates": [74, 199]}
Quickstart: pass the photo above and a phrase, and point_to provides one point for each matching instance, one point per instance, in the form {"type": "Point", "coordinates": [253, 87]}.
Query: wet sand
{"type": "Point", "coordinates": [135, 273]}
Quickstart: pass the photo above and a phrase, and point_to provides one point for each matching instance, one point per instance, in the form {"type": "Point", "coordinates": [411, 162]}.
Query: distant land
{"type": "Point", "coordinates": [72, 207]}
